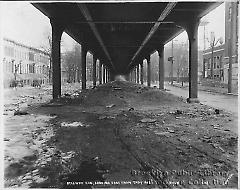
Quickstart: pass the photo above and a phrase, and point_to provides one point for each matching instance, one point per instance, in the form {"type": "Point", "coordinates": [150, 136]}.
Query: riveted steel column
{"type": "Point", "coordinates": [57, 31]}
{"type": "Point", "coordinates": [83, 57]}
{"type": "Point", "coordinates": [148, 71]}
{"type": "Point", "coordinates": [137, 73]}
{"type": "Point", "coordinates": [192, 30]}
{"type": "Point", "coordinates": [100, 72]}
{"type": "Point", "coordinates": [141, 75]}
{"type": "Point", "coordinates": [112, 75]}
{"type": "Point", "coordinates": [161, 67]}
{"type": "Point", "coordinates": [109, 77]}
{"type": "Point", "coordinates": [104, 74]}
{"type": "Point", "coordinates": [94, 70]}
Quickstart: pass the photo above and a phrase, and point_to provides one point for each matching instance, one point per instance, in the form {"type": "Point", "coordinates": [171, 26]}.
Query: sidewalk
{"type": "Point", "coordinates": [216, 100]}
{"type": "Point", "coordinates": [211, 89]}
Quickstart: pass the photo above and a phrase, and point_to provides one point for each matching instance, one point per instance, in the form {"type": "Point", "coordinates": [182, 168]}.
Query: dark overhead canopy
{"type": "Point", "coordinates": [121, 34]}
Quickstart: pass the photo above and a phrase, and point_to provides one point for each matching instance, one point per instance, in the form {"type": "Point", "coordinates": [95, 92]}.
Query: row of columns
{"type": "Point", "coordinates": [104, 72]}
{"type": "Point", "coordinates": [192, 31]}
{"type": "Point", "coordinates": [191, 28]}
{"type": "Point", "coordinates": [137, 73]}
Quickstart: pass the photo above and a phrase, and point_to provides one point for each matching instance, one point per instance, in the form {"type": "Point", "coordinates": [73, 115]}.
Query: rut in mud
{"type": "Point", "coordinates": [124, 135]}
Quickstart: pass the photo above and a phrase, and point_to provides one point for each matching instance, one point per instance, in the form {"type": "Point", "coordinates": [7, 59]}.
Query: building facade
{"type": "Point", "coordinates": [218, 62]}
{"type": "Point", "coordinates": [24, 64]}
{"type": "Point", "coordinates": [221, 53]}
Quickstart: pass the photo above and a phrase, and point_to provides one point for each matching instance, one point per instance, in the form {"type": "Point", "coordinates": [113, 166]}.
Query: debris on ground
{"type": "Point", "coordinates": [217, 111]}
{"type": "Point", "coordinates": [54, 104]}
{"type": "Point", "coordinates": [130, 109]}
{"type": "Point", "coordinates": [148, 120]}
{"type": "Point", "coordinates": [110, 106]}
{"type": "Point", "coordinates": [117, 88]}
{"type": "Point", "coordinates": [73, 124]}
{"type": "Point", "coordinates": [53, 145]}
{"type": "Point", "coordinates": [177, 112]}
{"type": "Point", "coordinates": [106, 117]}
{"type": "Point", "coordinates": [19, 112]}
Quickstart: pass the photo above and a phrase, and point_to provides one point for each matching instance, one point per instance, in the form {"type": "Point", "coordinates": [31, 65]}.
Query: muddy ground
{"type": "Point", "coordinates": [118, 135]}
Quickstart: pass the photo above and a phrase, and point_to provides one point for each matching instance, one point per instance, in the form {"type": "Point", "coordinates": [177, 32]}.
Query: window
{"type": "Point", "coordinates": [31, 56]}
{"type": "Point", "coordinates": [20, 67]}
{"type": "Point", "coordinates": [230, 13]}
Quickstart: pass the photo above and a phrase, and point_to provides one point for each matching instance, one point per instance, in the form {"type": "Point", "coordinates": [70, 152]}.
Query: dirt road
{"type": "Point", "coordinates": [119, 135]}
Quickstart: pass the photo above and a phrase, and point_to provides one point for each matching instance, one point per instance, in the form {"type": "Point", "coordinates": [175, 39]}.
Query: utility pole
{"type": "Point", "coordinates": [172, 66]}
{"type": "Point", "coordinates": [204, 23]}
{"type": "Point", "coordinates": [230, 51]}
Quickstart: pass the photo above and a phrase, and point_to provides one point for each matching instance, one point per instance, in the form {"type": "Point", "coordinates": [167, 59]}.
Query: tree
{"type": "Point", "coordinates": [72, 63]}
{"type": "Point", "coordinates": [213, 43]}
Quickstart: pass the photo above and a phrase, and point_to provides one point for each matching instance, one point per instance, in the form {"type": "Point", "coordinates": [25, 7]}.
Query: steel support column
{"type": "Point", "coordinates": [57, 31]}
{"type": "Point", "coordinates": [106, 75]}
{"type": "Point", "coordinates": [161, 67]}
{"type": "Point", "coordinates": [83, 58]}
{"type": "Point", "coordinates": [100, 72]}
{"type": "Point", "coordinates": [94, 70]}
{"type": "Point", "coordinates": [137, 73]}
{"type": "Point", "coordinates": [104, 81]}
{"type": "Point", "coordinates": [109, 78]}
{"type": "Point", "coordinates": [148, 71]}
{"type": "Point", "coordinates": [112, 75]}
{"type": "Point", "coordinates": [192, 30]}
{"type": "Point", "coordinates": [141, 70]}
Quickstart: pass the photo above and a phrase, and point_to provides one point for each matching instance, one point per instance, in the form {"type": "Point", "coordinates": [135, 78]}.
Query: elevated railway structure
{"type": "Point", "coordinates": [122, 34]}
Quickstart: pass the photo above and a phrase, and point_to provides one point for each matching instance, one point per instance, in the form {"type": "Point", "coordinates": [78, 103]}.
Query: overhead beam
{"type": "Point", "coordinates": [161, 18]}
{"type": "Point", "coordinates": [123, 22]}
{"type": "Point", "coordinates": [92, 25]}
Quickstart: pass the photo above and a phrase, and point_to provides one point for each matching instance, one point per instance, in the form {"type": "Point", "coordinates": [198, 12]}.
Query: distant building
{"type": "Point", "coordinates": [24, 64]}
{"type": "Point", "coordinates": [221, 52]}
{"type": "Point", "coordinates": [218, 64]}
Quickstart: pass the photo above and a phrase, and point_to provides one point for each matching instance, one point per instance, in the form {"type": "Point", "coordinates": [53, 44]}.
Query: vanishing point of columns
{"type": "Point", "coordinates": [136, 75]}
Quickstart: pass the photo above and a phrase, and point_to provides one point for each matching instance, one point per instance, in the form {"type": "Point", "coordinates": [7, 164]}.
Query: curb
{"type": "Point", "coordinates": [224, 93]}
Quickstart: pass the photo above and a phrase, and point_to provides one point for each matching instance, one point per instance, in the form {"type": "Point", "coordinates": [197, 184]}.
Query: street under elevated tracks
{"type": "Point", "coordinates": [121, 35]}
{"type": "Point", "coordinates": [117, 135]}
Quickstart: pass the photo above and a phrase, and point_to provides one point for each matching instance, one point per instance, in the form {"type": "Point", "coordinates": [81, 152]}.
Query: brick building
{"type": "Point", "coordinates": [221, 52]}
{"type": "Point", "coordinates": [24, 64]}
{"type": "Point", "coordinates": [218, 62]}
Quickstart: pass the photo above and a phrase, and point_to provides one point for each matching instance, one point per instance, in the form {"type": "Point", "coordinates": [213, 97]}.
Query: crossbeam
{"type": "Point", "coordinates": [123, 22]}
{"type": "Point", "coordinates": [93, 27]}
{"type": "Point", "coordinates": [161, 18]}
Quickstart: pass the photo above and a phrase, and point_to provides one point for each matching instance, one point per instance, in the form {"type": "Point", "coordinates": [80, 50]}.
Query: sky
{"type": "Point", "coordinates": [24, 23]}
{"type": "Point", "coordinates": [216, 24]}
